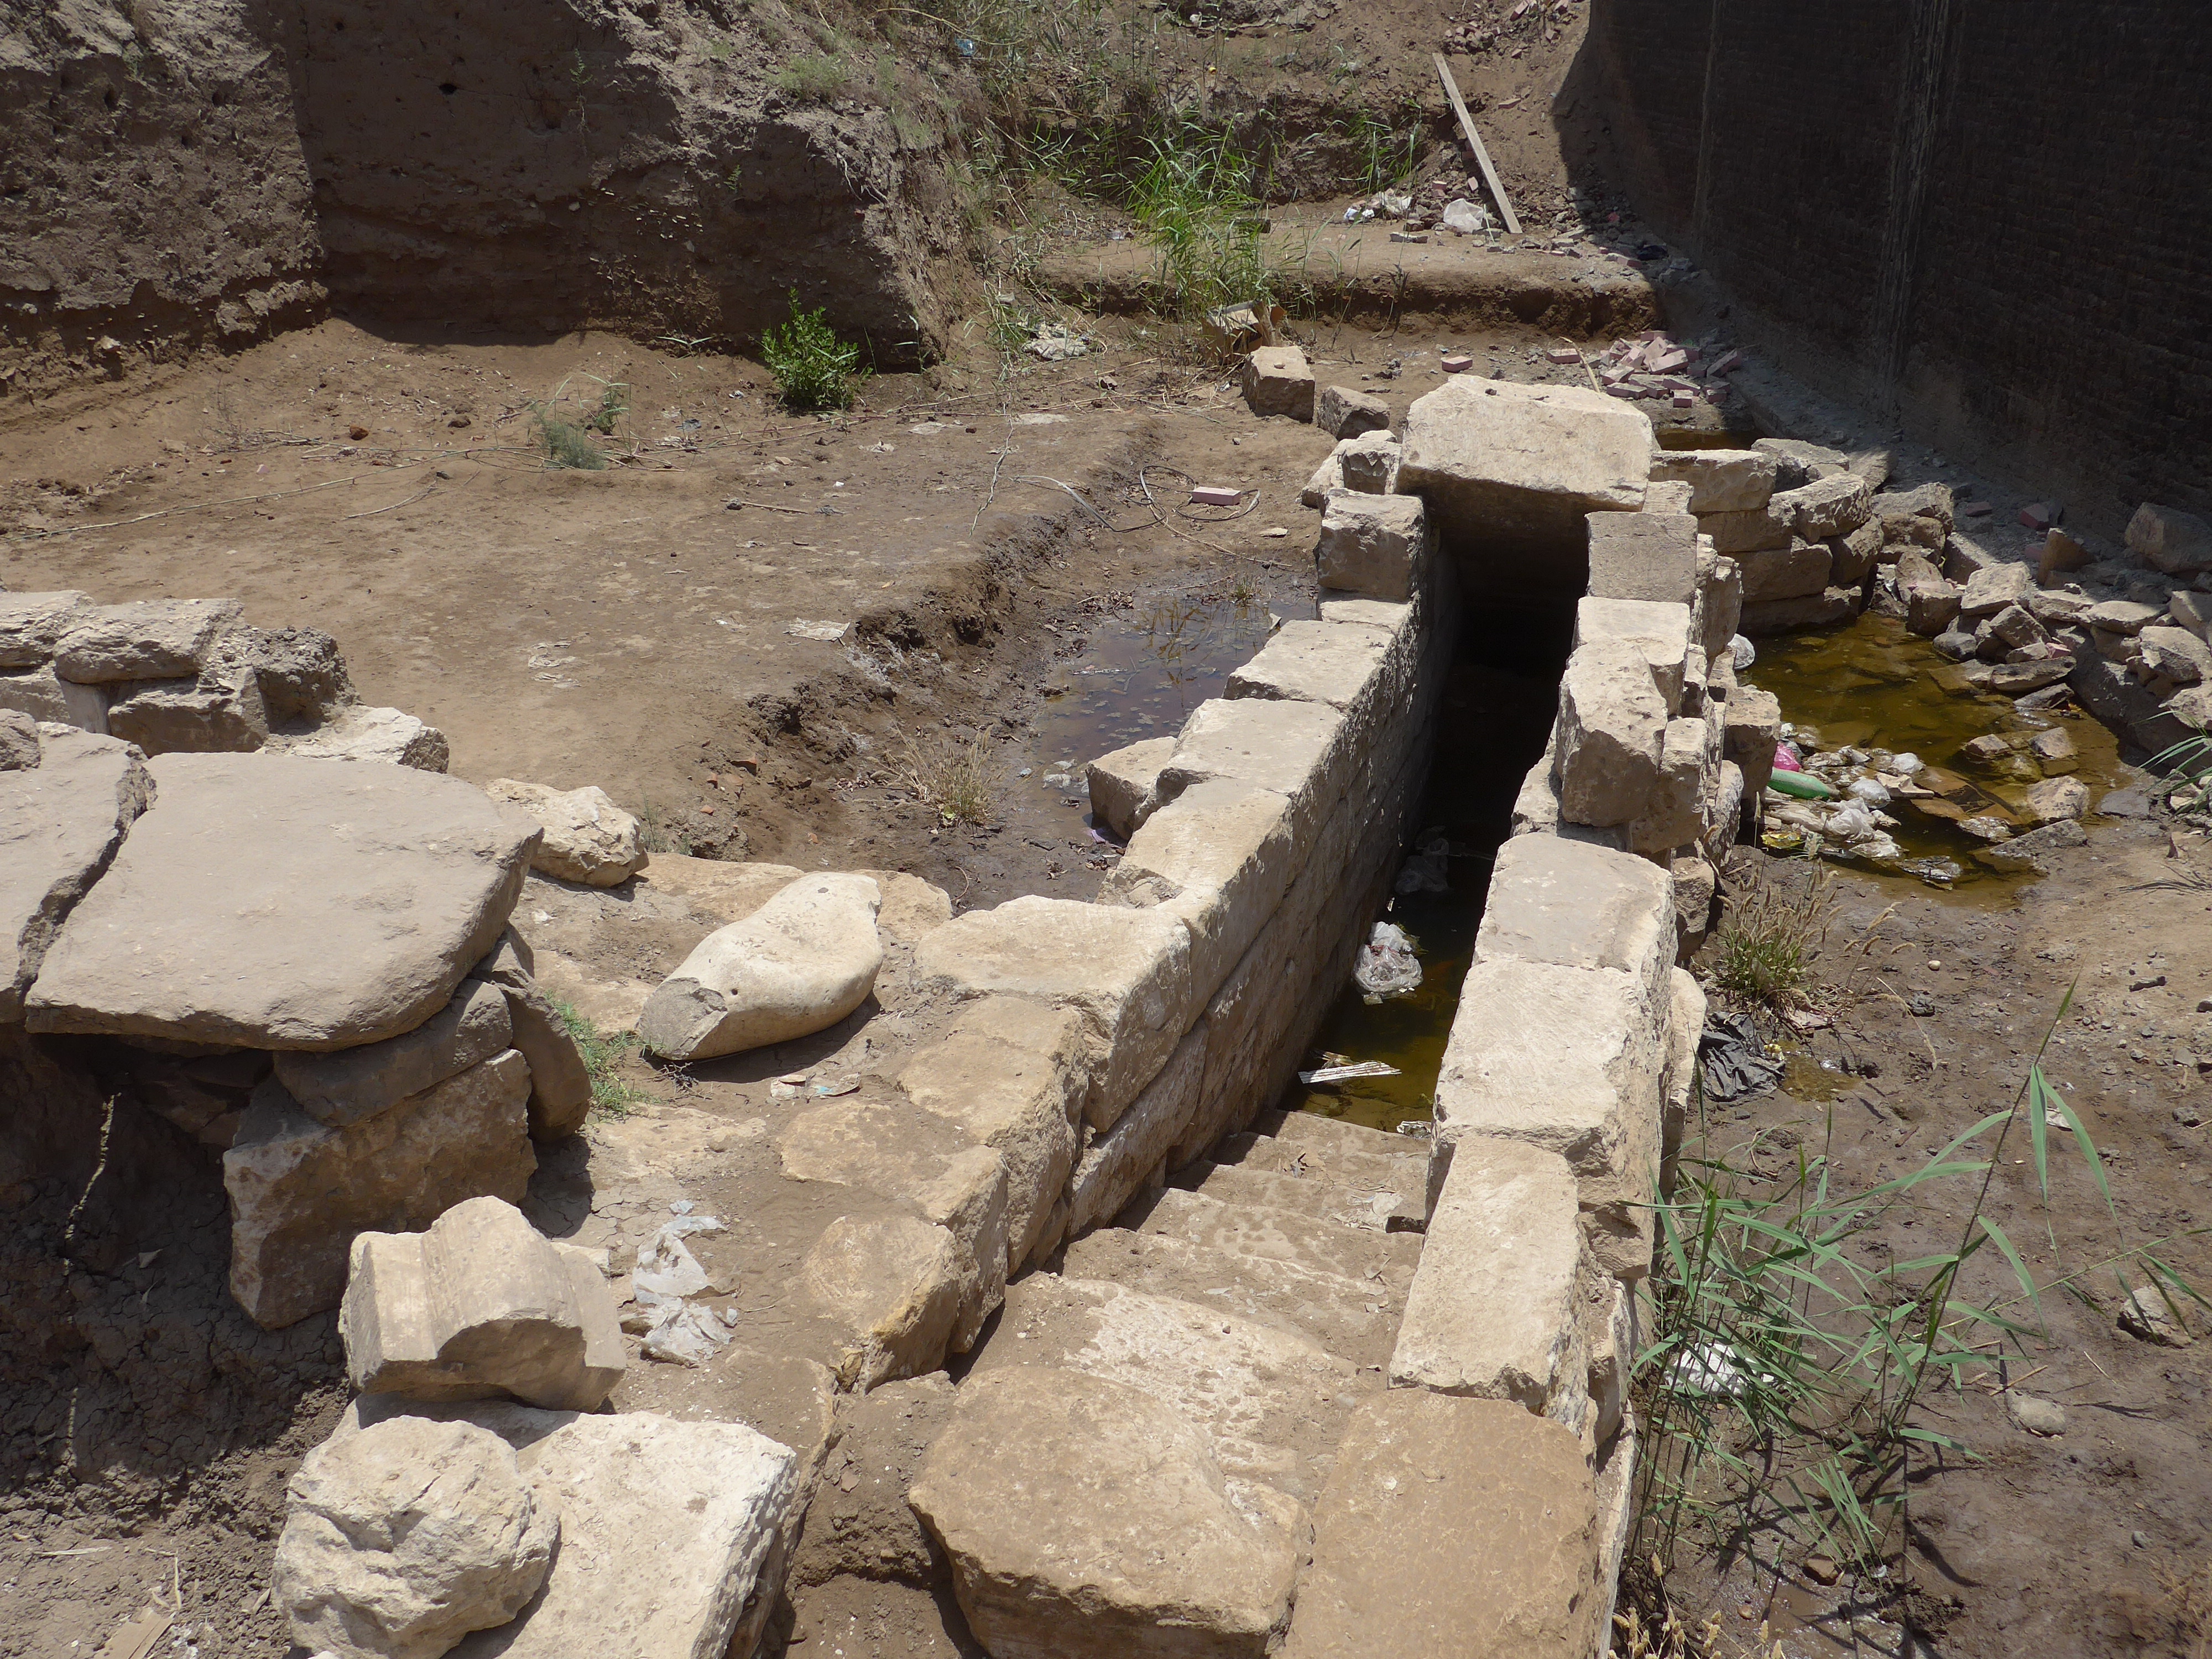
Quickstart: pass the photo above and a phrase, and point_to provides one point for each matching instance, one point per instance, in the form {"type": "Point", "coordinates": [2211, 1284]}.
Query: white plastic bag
{"type": "Point", "coordinates": [1387, 967]}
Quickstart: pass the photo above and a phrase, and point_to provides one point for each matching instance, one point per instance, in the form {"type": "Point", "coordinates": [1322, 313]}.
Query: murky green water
{"type": "Point", "coordinates": [1876, 686]}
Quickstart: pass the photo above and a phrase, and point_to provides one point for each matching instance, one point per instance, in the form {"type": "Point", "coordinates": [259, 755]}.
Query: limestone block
{"type": "Point", "coordinates": [1612, 726]}
{"type": "Point", "coordinates": [669, 1531]}
{"type": "Point", "coordinates": [2054, 800]}
{"type": "Point", "coordinates": [1994, 587]}
{"type": "Point", "coordinates": [144, 639]}
{"type": "Point", "coordinates": [1723, 810]}
{"type": "Point", "coordinates": [1372, 545]}
{"type": "Point", "coordinates": [1722, 591]}
{"type": "Point", "coordinates": [1644, 556]}
{"type": "Point", "coordinates": [1822, 610]}
{"type": "Point", "coordinates": [895, 1282]}
{"type": "Point", "coordinates": [1125, 972]}
{"type": "Point", "coordinates": [1749, 531]}
{"type": "Point", "coordinates": [1929, 503]}
{"type": "Point", "coordinates": [345, 1085]}
{"type": "Point", "coordinates": [1219, 856]}
{"type": "Point", "coordinates": [1853, 556]}
{"type": "Point", "coordinates": [2120, 616]}
{"type": "Point", "coordinates": [803, 961]}
{"type": "Point", "coordinates": [1327, 477]}
{"type": "Point", "coordinates": [1753, 732]}
{"type": "Point", "coordinates": [32, 625]}
{"type": "Point", "coordinates": [61, 822]}
{"type": "Point", "coordinates": [1659, 631]}
{"type": "Point", "coordinates": [1011, 1074]}
{"type": "Point", "coordinates": [1114, 1167]}
{"type": "Point", "coordinates": [389, 737]}
{"type": "Point", "coordinates": [1493, 1310]}
{"type": "Point", "coordinates": [19, 741]}
{"type": "Point", "coordinates": [1246, 1022]}
{"type": "Point", "coordinates": [1124, 784]}
{"type": "Point", "coordinates": [1344, 413]}
{"type": "Point", "coordinates": [1368, 464]}
{"type": "Point", "coordinates": [1296, 749]}
{"type": "Point", "coordinates": [480, 1305]}
{"type": "Point", "coordinates": [1613, 1345]}
{"type": "Point", "coordinates": [1578, 906]}
{"type": "Point", "coordinates": [587, 838]}
{"type": "Point", "coordinates": [1800, 463]}
{"type": "Point", "coordinates": [2174, 654]}
{"type": "Point", "coordinates": [2192, 611]}
{"type": "Point", "coordinates": [2177, 543]}
{"type": "Point", "coordinates": [1271, 1402]}
{"type": "Point", "coordinates": [1459, 1526]}
{"type": "Point", "coordinates": [1369, 613]}
{"type": "Point", "coordinates": [1673, 814]}
{"type": "Point", "coordinates": [1931, 601]}
{"type": "Point", "coordinates": [300, 1192]}
{"type": "Point", "coordinates": [1695, 882]}
{"type": "Point", "coordinates": [1664, 495]}
{"type": "Point", "coordinates": [1523, 462]}
{"type": "Point", "coordinates": [922, 1159]}
{"type": "Point", "coordinates": [1279, 382]}
{"type": "Point", "coordinates": [1826, 507]}
{"type": "Point", "coordinates": [1786, 573]}
{"type": "Point", "coordinates": [1568, 1060]}
{"type": "Point", "coordinates": [1686, 1024]}
{"type": "Point", "coordinates": [221, 710]}
{"type": "Point", "coordinates": [1056, 1497]}
{"type": "Point", "coordinates": [1536, 805]}
{"type": "Point", "coordinates": [359, 896]}
{"type": "Point", "coordinates": [1351, 667]}
{"type": "Point", "coordinates": [560, 1082]}
{"type": "Point", "coordinates": [40, 693]}
{"type": "Point", "coordinates": [403, 1537]}
{"type": "Point", "coordinates": [1720, 480]}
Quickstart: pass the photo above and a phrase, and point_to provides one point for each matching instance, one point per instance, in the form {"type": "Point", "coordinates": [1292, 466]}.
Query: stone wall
{"type": "Point", "coordinates": [1908, 202]}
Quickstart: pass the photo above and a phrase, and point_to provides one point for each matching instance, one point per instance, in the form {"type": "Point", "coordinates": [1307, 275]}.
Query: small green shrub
{"type": "Point", "coordinates": [613, 404]}
{"type": "Point", "coordinates": [817, 78]}
{"type": "Point", "coordinates": [603, 1053]}
{"type": "Point", "coordinates": [1764, 949]}
{"type": "Point", "coordinates": [567, 445]}
{"type": "Point", "coordinates": [813, 368]}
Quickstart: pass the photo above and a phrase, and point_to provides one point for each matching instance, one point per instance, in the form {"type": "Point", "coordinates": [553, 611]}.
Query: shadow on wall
{"type": "Point", "coordinates": [1913, 203]}
{"type": "Point", "coordinates": [185, 176]}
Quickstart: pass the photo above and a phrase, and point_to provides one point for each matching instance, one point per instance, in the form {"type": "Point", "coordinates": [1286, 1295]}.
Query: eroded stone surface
{"type": "Point", "coordinates": [353, 899]}
{"type": "Point", "coordinates": [1124, 784]}
{"type": "Point", "coordinates": [587, 838]}
{"type": "Point", "coordinates": [1493, 457]}
{"type": "Point", "coordinates": [61, 822]}
{"type": "Point", "coordinates": [1116, 1164]}
{"type": "Point", "coordinates": [1372, 545]}
{"type": "Point", "coordinates": [1611, 726]}
{"type": "Point", "coordinates": [143, 640]}
{"type": "Point", "coordinates": [895, 1282]}
{"type": "Point", "coordinates": [1278, 381]}
{"type": "Point", "coordinates": [345, 1085]}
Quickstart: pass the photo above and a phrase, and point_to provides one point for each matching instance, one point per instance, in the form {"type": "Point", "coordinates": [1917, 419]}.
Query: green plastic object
{"type": "Point", "coordinates": [1803, 785]}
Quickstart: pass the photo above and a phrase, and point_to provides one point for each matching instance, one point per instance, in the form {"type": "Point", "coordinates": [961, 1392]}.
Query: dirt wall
{"type": "Point", "coordinates": [1982, 214]}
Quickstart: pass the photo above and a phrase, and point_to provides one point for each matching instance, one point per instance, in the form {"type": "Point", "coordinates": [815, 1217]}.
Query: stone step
{"type": "Point", "coordinates": [1354, 1319]}
{"type": "Point", "coordinates": [1312, 1129]}
{"type": "Point", "coordinates": [1274, 1403]}
{"type": "Point", "coordinates": [1386, 1261]}
{"type": "Point", "coordinates": [1368, 1171]}
{"type": "Point", "coordinates": [1315, 1195]}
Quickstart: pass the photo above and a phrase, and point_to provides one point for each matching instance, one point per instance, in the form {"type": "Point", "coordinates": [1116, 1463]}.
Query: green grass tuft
{"type": "Point", "coordinates": [603, 1053]}
{"type": "Point", "coordinates": [813, 368]}
{"type": "Point", "coordinates": [816, 78]}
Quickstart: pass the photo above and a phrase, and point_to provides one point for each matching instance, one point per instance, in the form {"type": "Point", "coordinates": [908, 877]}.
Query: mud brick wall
{"type": "Point", "coordinates": [1986, 215]}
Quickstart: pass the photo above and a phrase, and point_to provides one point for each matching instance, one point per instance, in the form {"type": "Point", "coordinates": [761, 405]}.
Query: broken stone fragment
{"type": "Point", "coordinates": [1374, 546]}
{"type": "Point", "coordinates": [1786, 573]}
{"type": "Point", "coordinates": [1612, 726]}
{"type": "Point", "coordinates": [2055, 799]}
{"type": "Point", "coordinates": [1720, 480]}
{"type": "Point", "coordinates": [221, 710]}
{"type": "Point", "coordinates": [345, 1086]}
{"type": "Point", "coordinates": [19, 741]}
{"type": "Point", "coordinates": [300, 1192]}
{"type": "Point", "coordinates": [1124, 783]}
{"type": "Point", "coordinates": [803, 961]}
{"type": "Point", "coordinates": [1344, 413]}
{"type": "Point", "coordinates": [1994, 587]}
{"type": "Point", "coordinates": [404, 1536]}
{"type": "Point", "coordinates": [894, 1282]}
{"type": "Point", "coordinates": [1523, 464]}
{"type": "Point", "coordinates": [560, 1082]}
{"type": "Point", "coordinates": [61, 821]}
{"type": "Point", "coordinates": [2177, 543]}
{"type": "Point", "coordinates": [479, 1305]}
{"type": "Point", "coordinates": [144, 639]}
{"type": "Point", "coordinates": [32, 625]}
{"type": "Point", "coordinates": [1054, 1496]}
{"type": "Point", "coordinates": [1827, 507]}
{"type": "Point", "coordinates": [2174, 654]}
{"type": "Point", "coordinates": [1279, 382]}
{"type": "Point", "coordinates": [1369, 462]}
{"type": "Point", "coordinates": [41, 694]}
{"type": "Point", "coordinates": [391, 737]}
{"type": "Point", "coordinates": [587, 837]}
{"type": "Point", "coordinates": [276, 902]}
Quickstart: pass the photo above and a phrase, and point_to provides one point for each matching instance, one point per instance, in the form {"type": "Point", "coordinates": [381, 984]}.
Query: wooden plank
{"type": "Point", "coordinates": [1475, 139]}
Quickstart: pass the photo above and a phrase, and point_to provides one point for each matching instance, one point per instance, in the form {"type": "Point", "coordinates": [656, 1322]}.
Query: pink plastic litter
{"type": "Point", "coordinates": [1783, 759]}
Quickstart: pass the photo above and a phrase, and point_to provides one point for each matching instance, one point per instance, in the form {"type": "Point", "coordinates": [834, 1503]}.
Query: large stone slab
{"type": "Point", "coordinates": [1499, 461]}
{"type": "Point", "coordinates": [895, 1283]}
{"type": "Point", "coordinates": [1124, 784]}
{"type": "Point", "coordinates": [1220, 856]}
{"type": "Point", "coordinates": [667, 1530]}
{"type": "Point", "coordinates": [403, 1537]}
{"type": "Point", "coordinates": [284, 903]}
{"type": "Point", "coordinates": [1579, 906]}
{"type": "Point", "coordinates": [1385, 1260]}
{"type": "Point", "coordinates": [1568, 1059]}
{"type": "Point", "coordinates": [1011, 1074]}
{"type": "Point", "coordinates": [1114, 1167]}
{"type": "Point", "coordinates": [300, 1192]}
{"type": "Point", "coordinates": [1651, 556]}
{"type": "Point", "coordinates": [803, 961]}
{"type": "Point", "coordinates": [61, 822]}
{"type": "Point", "coordinates": [1271, 1402]}
{"type": "Point", "coordinates": [1459, 1526]}
{"type": "Point", "coordinates": [345, 1085]}
{"type": "Point", "coordinates": [1295, 749]}
{"type": "Point", "coordinates": [1087, 1519]}
{"type": "Point", "coordinates": [32, 625]}
{"type": "Point", "coordinates": [480, 1305]}
{"type": "Point", "coordinates": [1660, 631]}
{"type": "Point", "coordinates": [1126, 972]}
{"type": "Point", "coordinates": [143, 640]}
{"type": "Point", "coordinates": [1493, 1312]}
{"type": "Point", "coordinates": [921, 1159]}
{"type": "Point", "coordinates": [1612, 728]}
{"type": "Point", "coordinates": [1720, 480]}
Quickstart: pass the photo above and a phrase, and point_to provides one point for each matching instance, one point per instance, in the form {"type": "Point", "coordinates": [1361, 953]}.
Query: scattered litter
{"type": "Point", "coordinates": [1274, 532]}
{"type": "Point", "coordinates": [682, 1206]}
{"type": "Point", "coordinates": [1056, 342]}
{"type": "Point", "coordinates": [1214, 495]}
{"type": "Point", "coordinates": [1466, 218]}
{"type": "Point", "coordinates": [1457, 363]}
{"type": "Point", "coordinates": [1387, 967]}
{"type": "Point", "coordinates": [684, 1335]}
{"type": "Point", "coordinates": [1708, 1368]}
{"type": "Point", "coordinates": [929, 429]}
{"type": "Point", "coordinates": [829, 633]}
{"type": "Point", "coordinates": [1734, 1061]}
{"type": "Point", "coordinates": [844, 1085]}
{"type": "Point", "coordinates": [1340, 1073]}
{"type": "Point", "coordinates": [666, 1270]}
{"type": "Point", "coordinates": [1803, 785]}
{"type": "Point", "coordinates": [1428, 871]}
{"type": "Point", "coordinates": [1040, 419]}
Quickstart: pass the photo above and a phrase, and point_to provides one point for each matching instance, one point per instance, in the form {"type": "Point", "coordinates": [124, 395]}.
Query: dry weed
{"type": "Point", "coordinates": [954, 777]}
